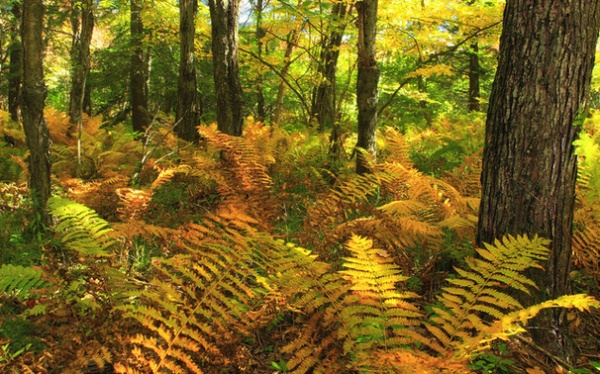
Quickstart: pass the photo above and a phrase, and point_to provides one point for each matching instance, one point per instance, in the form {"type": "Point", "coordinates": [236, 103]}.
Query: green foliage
{"type": "Point", "coordinates": [490, 363]}
{"type": "Point", "coordinates": [18, 281]}
{"type": "Point", "coordinates": [22, 333]}
{"type": "Point", "coordinates": [588, 151]}
{"type": "Point", "coordinates": [80, 228]}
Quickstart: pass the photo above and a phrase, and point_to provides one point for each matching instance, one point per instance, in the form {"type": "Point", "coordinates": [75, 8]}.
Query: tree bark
{"type": "Point", "coordinates": [529, 166]}
{"type": "Point", "coordinates": [82, 26]}
{"type": "Point", "coordinates": [33, 96]}
{"type": "Point", "coordinates": [474, 72]}
{"type": "Point", "coordinates": [323, 109]}
{"type": "Point", "coordinates": [224, 26]}
{"type": "Point", "coordinates": [188, 106]}
{"type": "Point", "coordinates": [261, 113]}
{"type": "Point", "coordinates": [15, 65]}
{"type": "Point", "coordinates": [140, 117]}
{"type": "Point", "coordinates": [366, 87]}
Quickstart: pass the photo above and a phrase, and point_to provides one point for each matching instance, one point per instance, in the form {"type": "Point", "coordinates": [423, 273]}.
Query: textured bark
{"type": "Point", "coordinates": [323, 110]}
{"type": "Point", "coordinates": [15, 65]}
{"type": "Point", "coordinates": [529, 166]}
{"type": "Point", "coordinates": [82, 26]}
{"type": "Point", "coordinates": [188, 106]}
{"type": "Point", "coordinates": [140, 117]}
{"type": "Point", "coordinates": [33, 96]}
{"type": "Point", "coordinates": [367, 81]}
{"type": "Point", "coordinates": [224, 26]}
{"type": "Point", "coordinates": [474, 73]}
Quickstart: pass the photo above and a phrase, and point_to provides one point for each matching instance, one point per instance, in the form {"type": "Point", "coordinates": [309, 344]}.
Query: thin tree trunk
{"type": "Point", "coordinates": [188, 108]}
{"type": "Point", "coordinates": [140, 117]}
{"type": "Point", "coordinates": [15, 65]}
{"type": "Point", "coordinates": [323, 110]}
{"type": "Point", "coordinates": [224, 16]}
{"type": "Point", "coordinates": [366, 87]}
{"type": "Point", "coordinates": [260, 33]}
{"type": "Point", "coordinates": [529, 166]}
{"type": "Point", "coordinates": [474, 72]}
{"type": "Point", "coordinates": [292, 41]}
{"type": "Point", "coordinates": [82, 25]}
{"type": "Point", "coordinates": [33, 97]}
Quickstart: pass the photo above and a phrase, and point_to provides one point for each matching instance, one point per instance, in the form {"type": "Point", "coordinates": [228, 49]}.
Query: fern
{"type": "Point", "coordinates": [203, 300]}
{"type": "Point", "coordinates": [18, 281]}
{"type": "Point", "coordinates": [80, 228]}
{"type": "Point", "coordinates": [475, 297]}
{"type": "Point", "coordinates": [376, 315]}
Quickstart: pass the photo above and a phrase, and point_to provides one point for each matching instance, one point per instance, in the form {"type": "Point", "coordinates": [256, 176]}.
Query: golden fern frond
{"type": "Point", "coordinates": [314, 294]}
{"type": "Point", "coordinates": [512, 323]}
{"type": "Point", "coordinates": [377, 316]}
{"type": "Point", "coordinates": [396, 148]}
{"type": "Point", "coordinates": [134, 203]}
{"type": "Point", "coordinates": [475, 293]}
{"type": "Point", "coordinates": [466, 176]}
{"type": "Point", "coordinates": [586, 242]}
{"type": "Point", "coordinates": [80, 228]}
{"type": "Point", "coordinates": [196, 309]}
{"type": "Point", "coordinates": [414, 361]}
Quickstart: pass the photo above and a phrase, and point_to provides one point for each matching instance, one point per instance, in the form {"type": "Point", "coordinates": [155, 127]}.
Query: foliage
{"type": "Point", "coordinates": [80, 228]}
{"type": "Point", "coordinates": [19, 281]}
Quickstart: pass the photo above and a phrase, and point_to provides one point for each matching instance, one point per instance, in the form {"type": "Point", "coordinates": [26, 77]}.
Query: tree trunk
{"type": "Point", "coordinates": [224, 25]}
{"type": "Point", "coordinates": [474, 71]}
{"type": "Point", "coordinates": [15, 65]}
{"type": "Point", "coordinates": [366, 86]}
{"type": "Point", "coordinates": [292, 41]}
{"type": "Point", "coordinates": [140, 117]}
{"type": "Point", "coordinates": [529, 166]}
{"type": "Point", "coordinates": [33, 97]}
{"type": "Point", "coordinates": [188, 108]}
{"type": "Point", "coordinates": [260, 33]}
{"type": "Point", "coordinates": [323, 109]}
{"type": "Point", "coordinates": [82, 25]}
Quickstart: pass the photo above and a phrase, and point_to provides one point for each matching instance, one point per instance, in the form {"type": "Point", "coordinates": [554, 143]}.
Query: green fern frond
{"type": "Point", "coordinates": [80, 228]}
{"type": "Point", "coordinates": [476, 293]}
{"type": "Point", "coordinates": [18, 281]}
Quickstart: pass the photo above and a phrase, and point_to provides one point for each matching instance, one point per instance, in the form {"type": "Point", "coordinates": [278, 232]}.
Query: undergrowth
{"type": "Point", "coordinates": [266, 252]}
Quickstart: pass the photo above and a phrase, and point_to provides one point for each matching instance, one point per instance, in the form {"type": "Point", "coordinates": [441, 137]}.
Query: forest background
{"type": "Point", "coordinates": [276, 236]}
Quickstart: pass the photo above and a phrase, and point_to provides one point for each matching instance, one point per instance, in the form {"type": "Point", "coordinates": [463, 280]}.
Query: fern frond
{"type": "Point", "coordinates": [201, 301]}
{"type": "Point", "coordinates": [377, 315]}
{"type": "Point", "coordinates": [18, 281]}
{"type": "Point", "coordinates": [475, 294]}
{"type": "Point", "coordinates": [80, 228]}
{"type": "Point", "coordinates": [512, 323]}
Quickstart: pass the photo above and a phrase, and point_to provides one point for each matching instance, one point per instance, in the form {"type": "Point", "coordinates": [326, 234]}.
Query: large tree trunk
{"type": "Point", "coordinates": [140, 117]}
{"type": "Point", "coordinates": [82, 26]}
{"type": "Point", "coordinates": [15, 65]}
{"type": "Point", "coordinates": [33, 97]}
{"type": "Point", "coordinates": [529, 166]}
{"type": "Point", "coordinates": [474, 73]}
{"type": "Point", "coordinates": [366, 86]}
{"type": "Point", "coordinates": [323, 110]}
{"type": "Point", "coordinates": [224, 25]}
{"type": "Point", "coordinates": [188, 108]}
